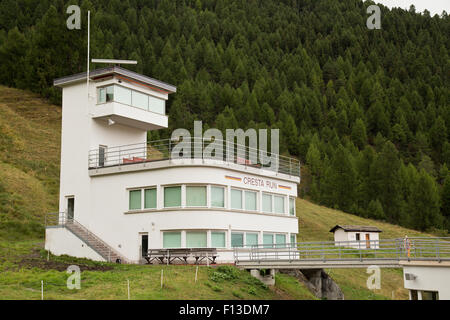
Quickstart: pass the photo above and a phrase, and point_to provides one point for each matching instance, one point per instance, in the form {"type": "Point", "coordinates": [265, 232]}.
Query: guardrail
{"type": "Point", "coordinates": [418, 248]}
{"type": "Point", "coordinates": [227, 152]}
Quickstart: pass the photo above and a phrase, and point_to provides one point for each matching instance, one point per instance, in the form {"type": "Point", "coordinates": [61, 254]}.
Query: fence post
{"type": "Point", "coordinates": [128, 287]}
{"type": "Point", "coordinates": [162, 276]}
{"type": "Point", "coordinates": [437, 249]}
{"type": "Point", "coordinates": [196, 272]}
{"type": "Point", "coordinates": [42, 289]}
{"type": "Point", "coordinates": [169, 153]}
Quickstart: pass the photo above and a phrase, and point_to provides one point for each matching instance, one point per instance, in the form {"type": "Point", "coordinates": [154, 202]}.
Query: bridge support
{"type": "Point", "coordinates": [318, 282]}
{"type": "Point", "coordinates": [266, 276]}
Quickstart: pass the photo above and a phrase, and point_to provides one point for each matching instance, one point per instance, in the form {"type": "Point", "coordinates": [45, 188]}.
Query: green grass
{"type": "Point", "coordinates": [22, 280]}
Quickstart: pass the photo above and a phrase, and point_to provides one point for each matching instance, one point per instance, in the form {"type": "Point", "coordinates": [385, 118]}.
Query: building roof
{"type": "Point", "coordinates": [347, 228]}
{"type": "Point", "coordinates": [99, 73]}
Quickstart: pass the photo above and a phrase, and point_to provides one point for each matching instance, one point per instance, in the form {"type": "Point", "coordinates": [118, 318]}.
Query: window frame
{"type": "Point", "coordinates": [271, 202]}
{"type": "Point", "coordinates": [130, 191]}
{"type": "Point", "coordinates": [243, 238]}
{"type": "Point", "coordinates": [294, 213]}
{"type": "Point", "coordinates": [164, 196]}
{"type": "Point", "coordinates": [231, 198]}
{"type": "Point", "coordinates": [251, 233]}
{"type": "Point", "coordinates": [283, 198]}
{"type": "Point", "coordinates": [245, 200]}
{"type": "Point", "coordinates": [173, 232]}
{"type": "Point", "coordinates": [211, 186]}
{"type": "Point", "coordinates": [156, 196]}
{"type": "Point", "coordinates": [224, 237]}
{"type": "Point", "coordinates": [151, 99]}
{"type": "Point", "coordinates": [205, 232]}
{"type": "Point", "coordinates": [186, 195]}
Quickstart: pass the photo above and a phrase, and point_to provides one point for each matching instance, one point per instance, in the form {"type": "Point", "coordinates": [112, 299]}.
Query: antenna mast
{"type": "Point", "coordinates": [88, 43]}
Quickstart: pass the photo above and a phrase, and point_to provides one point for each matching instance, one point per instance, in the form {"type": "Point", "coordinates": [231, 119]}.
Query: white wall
{"type": "Point", "coordinates": [342, 235]}
{"type": "Point", "coordinates": [429, 278]}
{"type": "Point", "coordinates": [81, 133]}
{"type": "Point", "coordinates": [110, 219]}
{"type": "Point", "coordinates": [61, 241]}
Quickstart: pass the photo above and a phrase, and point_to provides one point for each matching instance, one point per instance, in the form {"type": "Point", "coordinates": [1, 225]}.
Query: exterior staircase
{"type": "Point", "coordinates": [84, 234]}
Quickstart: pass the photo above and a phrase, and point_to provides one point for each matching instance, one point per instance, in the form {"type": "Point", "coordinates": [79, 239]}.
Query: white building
{"type": "Point", "coordinates": [427, 280]}
{"type": "Point", "coordinates": [123, 195]}
{"type": "Point", "coordinates": [358, 237]}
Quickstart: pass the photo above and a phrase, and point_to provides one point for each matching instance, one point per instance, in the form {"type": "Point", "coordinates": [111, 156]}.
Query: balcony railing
{"type": "Point", "coordinates": [194, 148]}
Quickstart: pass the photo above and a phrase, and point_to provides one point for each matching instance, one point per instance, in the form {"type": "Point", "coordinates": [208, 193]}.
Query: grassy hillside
{"type": "Point", "coordinates": [315, 223]}
{"type": "Point", "coordinates": [30, 131]}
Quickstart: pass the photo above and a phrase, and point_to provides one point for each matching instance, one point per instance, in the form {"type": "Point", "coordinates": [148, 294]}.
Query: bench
{"type": "Point", "coordinates": [182, 254]}
{"type": "Point", "coordinates": [204, 253]}
{"type": "Point", "coordinates": [156, 254]}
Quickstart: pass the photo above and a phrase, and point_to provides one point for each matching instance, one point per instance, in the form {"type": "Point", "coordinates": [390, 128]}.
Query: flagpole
{"type": "Point", "coordinates": [88, 43]}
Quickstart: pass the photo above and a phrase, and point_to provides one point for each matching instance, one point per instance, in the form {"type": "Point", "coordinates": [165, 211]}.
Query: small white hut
{"type": "Point", "coordinates": [358, 237]}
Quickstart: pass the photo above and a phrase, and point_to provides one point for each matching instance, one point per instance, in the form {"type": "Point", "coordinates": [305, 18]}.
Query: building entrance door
{"type": "Point", "coordinates": [70, 208]}
{"type": "Point", "coordinates": [367, 241]}
{"type": "Point", "coordinates": [144, 245]}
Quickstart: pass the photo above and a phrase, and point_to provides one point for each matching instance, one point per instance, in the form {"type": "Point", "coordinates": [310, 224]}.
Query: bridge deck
{"type": "Point", "coordinates": [316, 264]}
{"type": "Point", "coordinates": [391, 253]}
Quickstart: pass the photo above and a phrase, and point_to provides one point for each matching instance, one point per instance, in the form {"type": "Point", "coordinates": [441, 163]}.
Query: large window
{"type": "Point", "coordinates": [217, 197]}
{"type": "Point", "coordinates": [236, 199]}
{"type": "Point", "coordinates": [172, 240]}
{"type": "Point", "coordinates": [278, 204]}
{"type": "Point", "coordinates": [280, 240]}
{"type": "Point", "coordinates": [292, 206]}
{"type": "Point", "coordinates": [109, 93]}
{"type": "Point", "coordinates": [139, 100]}
{"type": "Point", "coordinates": [101, 95]}
{"type": "Point", "coordinates": [195, 239]}
{"type": "Point", "coordinates": [150, 198]}
{"type": "Point", "coordinates": [237, 239]}
{"type": "Point", "coordinates": [195, 196]}
{"type": "Point", "coordinates": [268, 240]}
{"type": "Point", "coordinates": [122, 95]}
{"type": "Point", "coordinates": [251, 239]}
{"type": "Point", "coordinates": [172, 197]}
{"type": "Point", "coordinates": [266, 202]}
{"type": "Point", "coordinates": [250, 200]}
{"type": "Point", "coordinates": [218, 240]}
{"type": "Point", "coordinates": [156, 105]}
{"type": "Point", "coordinates": [131, 97]}
{"type": "Point", "coordinates": [135, 200]}
{"type": "Point", "coordinates": [293, 240]}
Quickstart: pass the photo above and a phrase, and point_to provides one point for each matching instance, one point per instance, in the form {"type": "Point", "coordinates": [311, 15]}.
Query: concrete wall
{"type": "Point", "coordinates": [61, 241]}
{"type": "Point", "coordinates": [110, 219]}
{"type": "Point", "coordinates": [431, 277]}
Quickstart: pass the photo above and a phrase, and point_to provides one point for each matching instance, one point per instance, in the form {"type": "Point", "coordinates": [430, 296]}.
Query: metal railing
{"type": "Point", "coordinates": [60, 219]}
{"type": "Point", "coordinates": [169, 149]}
{"type": "Point", "coordinates": [418, 248]}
